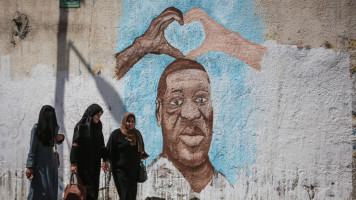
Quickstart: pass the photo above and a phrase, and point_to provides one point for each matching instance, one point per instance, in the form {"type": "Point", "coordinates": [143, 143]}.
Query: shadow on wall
{"type": "Point", "coordinates": [108, 93]}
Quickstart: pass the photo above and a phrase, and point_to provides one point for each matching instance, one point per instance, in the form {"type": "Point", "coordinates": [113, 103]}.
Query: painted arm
{"type": "Point", "coordinates": [152, 41]}
{"type": "Point", "coordinates": [218, 38]}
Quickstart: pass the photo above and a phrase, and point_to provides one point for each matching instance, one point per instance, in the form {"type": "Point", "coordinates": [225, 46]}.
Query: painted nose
{"type": "Point", "coordinates": [190, 110]}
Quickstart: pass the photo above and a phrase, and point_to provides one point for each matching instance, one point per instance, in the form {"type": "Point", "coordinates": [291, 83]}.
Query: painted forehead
{"type": "Point", "coordinates": [175, 66]}
{"type": "Point", "coordinates": [192, 77]}
{"type": "Point", "coordinates": [182, 64]}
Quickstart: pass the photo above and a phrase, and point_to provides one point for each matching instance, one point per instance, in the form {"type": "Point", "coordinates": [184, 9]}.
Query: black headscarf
{"type": "Point", "coordinates": [47, 127]}
{"type": "Point", "coordinates": [87, 118]}
{"type": "Point", "coordinates": [92, 110]}
{"type": "Point", "coordinates": [88, 135]}
{"type": "Point", "coordinates": [89, 113]}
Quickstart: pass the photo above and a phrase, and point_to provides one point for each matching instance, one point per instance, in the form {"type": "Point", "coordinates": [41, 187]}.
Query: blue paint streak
{"type": "Point", "coordinates": [233, 149]}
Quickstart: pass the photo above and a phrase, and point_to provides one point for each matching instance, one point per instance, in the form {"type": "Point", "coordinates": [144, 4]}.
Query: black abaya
{"type": "Point", "coordinates": [125, 164]}
{"type": "Point", "coordinates": [89, 150]}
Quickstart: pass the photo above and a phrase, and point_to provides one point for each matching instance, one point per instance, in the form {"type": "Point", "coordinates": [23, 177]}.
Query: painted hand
{"type": "Point", "coordinates": [218, 38]}
{"type": "Point", "coordinates": [153, 40]}
{"type": "Point", "coordinates": [216, 35]}
{"type": "Point", "coordinates": [29, 173]}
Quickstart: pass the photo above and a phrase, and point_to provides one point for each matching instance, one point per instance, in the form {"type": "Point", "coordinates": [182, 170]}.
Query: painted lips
{"type": "Point", "coordinates": [192, 137]}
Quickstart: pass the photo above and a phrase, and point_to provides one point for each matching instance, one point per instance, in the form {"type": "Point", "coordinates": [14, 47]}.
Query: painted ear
{"type": "Point", "coordinates": [159, 112]}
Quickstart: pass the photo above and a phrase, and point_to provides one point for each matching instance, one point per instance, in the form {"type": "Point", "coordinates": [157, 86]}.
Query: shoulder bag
{"type": "Point", "coordinates": [142, 174]}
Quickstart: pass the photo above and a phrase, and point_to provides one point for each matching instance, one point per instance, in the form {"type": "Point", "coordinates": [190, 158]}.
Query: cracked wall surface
{"type": "Point", "coordinates": [286, 131]}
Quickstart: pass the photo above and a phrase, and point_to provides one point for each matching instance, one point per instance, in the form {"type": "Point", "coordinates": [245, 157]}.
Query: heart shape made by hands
{"type": "Point", "coordinates": [186, 38]}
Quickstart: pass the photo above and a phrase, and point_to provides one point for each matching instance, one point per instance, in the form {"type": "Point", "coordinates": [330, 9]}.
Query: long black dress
{"type": "Point", "coordinates": [90, 149]}
{"type": "Point", "coordinates": [125, 164]}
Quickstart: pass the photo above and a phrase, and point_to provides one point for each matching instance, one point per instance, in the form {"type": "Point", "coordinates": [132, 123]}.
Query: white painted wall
{"type": "Point", "coordinates": [302, 106]}
{"type": "Point", "coordinates": [302, 97]}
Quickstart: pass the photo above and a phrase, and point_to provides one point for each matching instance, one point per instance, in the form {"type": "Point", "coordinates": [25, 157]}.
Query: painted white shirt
{"type": "Point", "coordinates": [167, 182]}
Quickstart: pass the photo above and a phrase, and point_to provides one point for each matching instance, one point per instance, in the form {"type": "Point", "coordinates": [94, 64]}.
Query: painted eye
{"type": "Point", "coordinates": [200, 100]}
{"type": "Point", "coordinates": [176, 102]}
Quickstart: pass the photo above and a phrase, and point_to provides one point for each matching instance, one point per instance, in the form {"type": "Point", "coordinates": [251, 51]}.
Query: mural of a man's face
{"type": "Point", "coordinates": [186, 116]}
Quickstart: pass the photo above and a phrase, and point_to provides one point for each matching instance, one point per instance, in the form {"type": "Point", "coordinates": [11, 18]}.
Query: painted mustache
{"type": "Point", "coordinates": [192, 136]}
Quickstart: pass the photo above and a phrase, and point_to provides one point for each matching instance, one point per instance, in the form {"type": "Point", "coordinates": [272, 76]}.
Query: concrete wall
{"type": "Point", "coordinates": [286, 131]}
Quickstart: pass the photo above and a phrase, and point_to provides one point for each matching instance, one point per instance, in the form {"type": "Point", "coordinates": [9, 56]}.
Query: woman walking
{"type": "Point", "coordinates": [87, 149]}
{"type": "Point", "coordinates": [126, 148]}
{"type": "Point", "coordinates": [41, 164]}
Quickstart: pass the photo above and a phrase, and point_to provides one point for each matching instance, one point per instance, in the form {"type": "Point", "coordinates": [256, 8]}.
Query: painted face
{"type": "Point", "coordinates": [187, 117]}
{"type": "Point", "coordinates": [130, 123]}
{"type": "Point", "coordinates": [96, 118]}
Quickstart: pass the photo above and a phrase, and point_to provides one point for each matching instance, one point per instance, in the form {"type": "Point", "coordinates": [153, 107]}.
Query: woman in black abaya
{"type": "Point", "coordinates": [126, 148]}
{"type": "Point", "coordinates": [87, 149]}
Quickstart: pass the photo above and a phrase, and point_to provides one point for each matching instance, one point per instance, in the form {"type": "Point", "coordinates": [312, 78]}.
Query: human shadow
{"type": "Point", "coordinates": [108, 93]}
{"type": "Point", "coordinates": [112, 99]}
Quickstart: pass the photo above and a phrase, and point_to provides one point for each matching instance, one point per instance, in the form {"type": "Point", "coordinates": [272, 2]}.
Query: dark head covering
{"type": "Point", "coordinates": [92, 110]}
{"type": "Point", "coordinates": [133, 136]}
{"type": "Point", "coordinates": [47, 127]}
{"type": "Point", "coordinates": [88, 115]}
{"type": "Point", "coordinates": [88, 138]}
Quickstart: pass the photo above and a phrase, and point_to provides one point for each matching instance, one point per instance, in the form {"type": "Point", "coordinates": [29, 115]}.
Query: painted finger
{"type": "Point", "coordinates": [170, 13]}
{"type": "Point", "coordinates": [192, 15]}
{"type": "Point", "coordinates": [156, 24]}
{"type": "Point", "coordinates": [203, 49]}
{"type": "Point", "coordinates": [167, 15]}
{"type": "Point", "coordinates": [166, 24]}
{"type": "Point", "coordinates": [173, 10]}
{"type": "Point", "coordinates": [171, 16]}
{"type": "Point", "coordinates": [197, 14]}
{"type": "Point", "coordinates": [158, 19]}
{"type": "Point", "coordinates": [171, 51]}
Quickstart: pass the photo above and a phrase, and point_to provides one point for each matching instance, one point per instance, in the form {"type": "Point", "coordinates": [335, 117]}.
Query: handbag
{"type": "Point", "coordinates": [56, 155]}
{"type": "Point", "coordinates": [75, 191]}
{"type": "Point", "coordinates": [142, 174]}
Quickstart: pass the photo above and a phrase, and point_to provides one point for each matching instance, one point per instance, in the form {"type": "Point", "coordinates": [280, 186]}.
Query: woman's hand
{"type": "Point", "coordinates": [29, 173]}
{"type": "Point", "coordinates": [59, 138]}
{"type": "Point", "coordinates": [105, 166]}
{"type": "Point", "coordinates": [145, 155]}
{"type": "Point", "coordinates": [73, 168]}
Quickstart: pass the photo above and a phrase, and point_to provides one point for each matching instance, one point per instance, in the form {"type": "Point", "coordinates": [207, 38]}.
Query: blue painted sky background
{"type": "Point", "coordinates": [233, 149]}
